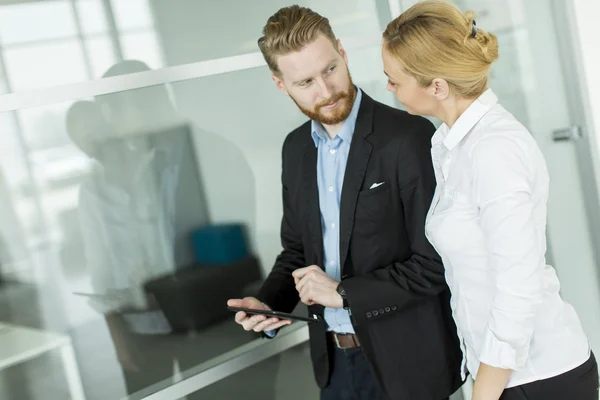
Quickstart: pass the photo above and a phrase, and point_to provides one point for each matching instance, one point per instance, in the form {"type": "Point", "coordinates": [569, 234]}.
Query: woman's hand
{"type": "Point", "coordinates": [490, 382]}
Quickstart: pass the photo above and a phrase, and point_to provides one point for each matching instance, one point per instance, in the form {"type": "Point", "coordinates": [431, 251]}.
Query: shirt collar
{"type": "Point", "coordinates": [451, 137]}
{"type": "Point", "coordinates": [347, 129]}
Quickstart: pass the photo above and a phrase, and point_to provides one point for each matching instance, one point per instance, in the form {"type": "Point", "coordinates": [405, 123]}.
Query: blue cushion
{"type": "Point", "coordinates": [219, 244]}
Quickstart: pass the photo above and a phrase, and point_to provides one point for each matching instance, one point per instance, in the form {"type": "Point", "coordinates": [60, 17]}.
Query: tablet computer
{"type": "Point", "coordinates": [277, 314]}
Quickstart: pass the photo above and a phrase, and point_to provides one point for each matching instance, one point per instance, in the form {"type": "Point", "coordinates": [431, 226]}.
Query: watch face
{"type": "Point", "coordinates": [341, 290]}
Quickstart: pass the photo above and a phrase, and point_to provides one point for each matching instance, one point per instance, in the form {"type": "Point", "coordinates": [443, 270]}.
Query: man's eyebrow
{"type": "Point", "coordinates": [324, 70]}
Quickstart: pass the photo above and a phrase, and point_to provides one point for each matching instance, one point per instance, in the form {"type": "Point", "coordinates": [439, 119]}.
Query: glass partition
{"type": "Point", "coordinates": [130, 218]}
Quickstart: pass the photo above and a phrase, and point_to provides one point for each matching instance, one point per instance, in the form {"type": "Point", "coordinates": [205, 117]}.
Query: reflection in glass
{"type": "Point", "coordinates": [63, 62]}
{"type": "Point", "coordinates": [126, 215]}
{"type": "Point", "coordinates": [13, 249]}
{"type": "Point", "coordinates": [157, 32]}
{"type": "Point", "coordinates": [3, 88]}
{"type": "Point", "coordinates": [101, 55]}
{"type": "Point", "coordinates": [132, 212]}
{"type": "Point", "coordinates": [132, 14]}
{"type": "Point", "coordinates": [288, 376]}
{"type": "Point", "coordinates": [92, 16]}
{"type": "Point", "coordinates": [14, 30]}
{"type": "Point", "coordinates": [11, 158]}
{"type": "Point", "coordinates": [160, 270]}
{"type": "Point", "coordinates": [142, 46]}
{"type": "Point", "coordinates": [81, 40]}
{"type": "Point", "coordinates": [43, 127]}
{"type": "Point", "coordinates": [127, 210]}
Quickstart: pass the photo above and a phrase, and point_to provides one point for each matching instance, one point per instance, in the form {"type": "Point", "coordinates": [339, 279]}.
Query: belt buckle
{"type": "Point", "coordinates": [337, 342]}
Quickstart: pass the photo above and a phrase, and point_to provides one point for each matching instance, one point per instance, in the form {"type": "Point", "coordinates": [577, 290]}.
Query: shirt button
{"type": "Point", "coordinates": [331, 188]}
{"type": "Point", "coordinates": [332, 263]}
{"type": "Point", "coordinates": [332, 151]}
{"type": "Point", "coordinates": [333, 225]}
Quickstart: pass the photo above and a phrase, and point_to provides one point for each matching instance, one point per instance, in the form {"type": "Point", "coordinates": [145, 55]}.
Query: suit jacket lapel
{"type": "Point", "coordinates": [358, 159]}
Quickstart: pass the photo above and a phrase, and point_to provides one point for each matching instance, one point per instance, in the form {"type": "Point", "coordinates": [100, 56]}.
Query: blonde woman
{"type": "Point", "coordinates": [520, 340]}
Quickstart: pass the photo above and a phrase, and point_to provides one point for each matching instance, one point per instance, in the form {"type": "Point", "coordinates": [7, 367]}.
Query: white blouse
{"type": "Point", "coordinates": [488, 223]}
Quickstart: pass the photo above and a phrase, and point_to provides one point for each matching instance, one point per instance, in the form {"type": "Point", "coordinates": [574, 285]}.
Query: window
{"type": "Point", "coordinates": [81, 41]}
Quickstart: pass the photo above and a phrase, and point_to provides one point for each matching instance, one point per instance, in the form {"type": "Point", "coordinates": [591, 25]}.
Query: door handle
{"type": "Point", "coordinates": [570, 133]}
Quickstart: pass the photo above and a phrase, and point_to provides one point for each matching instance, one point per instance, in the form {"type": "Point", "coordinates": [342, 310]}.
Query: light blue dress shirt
{"type": "Point", "coordinates": [332, 156]}
{"type": "Point", "coordinates": [331, 167]}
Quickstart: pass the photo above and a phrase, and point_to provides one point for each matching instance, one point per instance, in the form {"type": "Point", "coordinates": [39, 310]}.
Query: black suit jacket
{"type": "Point", "coordinates": [394, 279]}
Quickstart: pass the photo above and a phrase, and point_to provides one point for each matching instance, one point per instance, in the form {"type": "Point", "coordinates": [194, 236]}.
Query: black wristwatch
{"type": "Point", "coordinates": [342, 292]}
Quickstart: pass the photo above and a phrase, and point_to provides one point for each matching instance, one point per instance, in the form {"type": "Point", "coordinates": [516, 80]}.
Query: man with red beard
{"type": "Point", "coordinates": [357, 183]}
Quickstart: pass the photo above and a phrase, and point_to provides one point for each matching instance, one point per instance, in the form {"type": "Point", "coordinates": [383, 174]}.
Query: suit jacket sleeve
{"type": "Point", "coordinates": [421, 276]}
{"type": "Point", "coordinates": [279, 290]}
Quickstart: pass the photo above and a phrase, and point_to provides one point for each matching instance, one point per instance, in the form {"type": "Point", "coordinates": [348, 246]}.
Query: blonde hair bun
{"type": "Point", "coordinates": [487, 41]}
{"type": "Point", "coordinates": [434, 39]}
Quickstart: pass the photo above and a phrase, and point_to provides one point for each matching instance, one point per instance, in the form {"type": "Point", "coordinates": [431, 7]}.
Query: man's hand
{"type": "Point", "coordinates": [256, 323]}
{"type": "Point", "coordinates": [315, 287]}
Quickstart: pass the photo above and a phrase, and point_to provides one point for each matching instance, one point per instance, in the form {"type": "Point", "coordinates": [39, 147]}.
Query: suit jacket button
{"type": "Point", "coordinates": [387, 309]}
{"type": "Point", "coordinates": [394, 308]}
{"type": "Point", "coordinates": [375, 313]}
